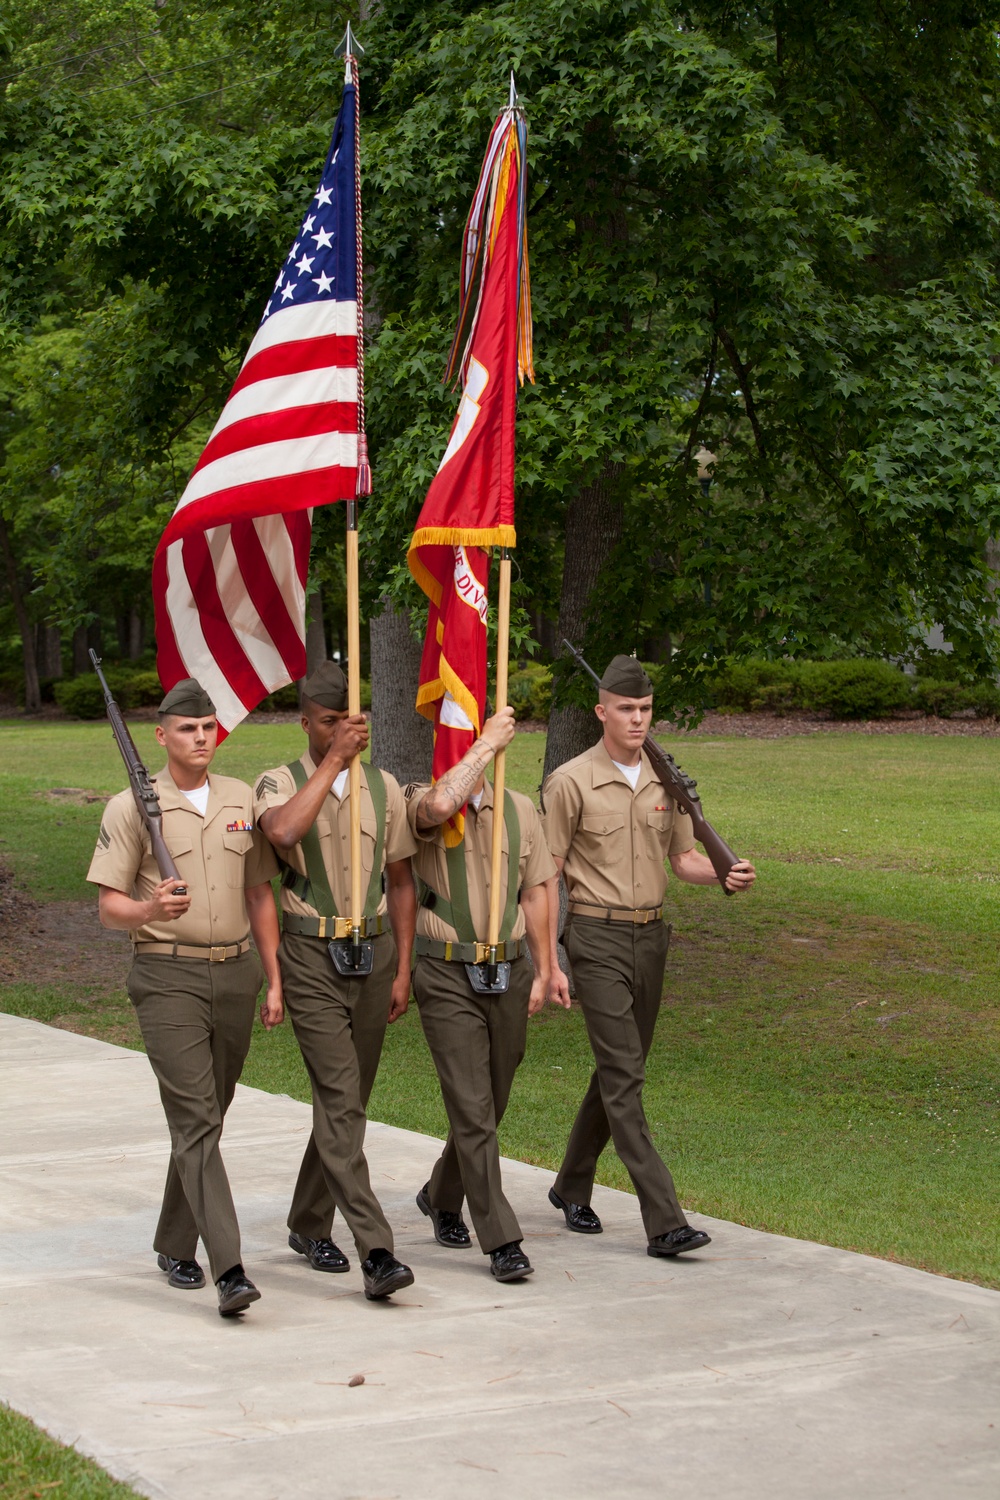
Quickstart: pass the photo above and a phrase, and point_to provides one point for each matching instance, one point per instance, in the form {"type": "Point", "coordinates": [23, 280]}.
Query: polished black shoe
{"type": "Point", "coordinates": [450, 1229]}
{"type": "Point", "coordinates": [185, 1274]}
{"type": "Point", "coordinates": [322, 1255]}
{"type": "Point", "coordinates": [580, 1217]}
{"type": "Point", "coordinates": [509, 1262]}
{"type": "Point", "coordinates": [678, 1240]}
{"type": "Point", "coordinates": [383, 1274]}
{"type": "Point", "coordinates": [236, 1292]}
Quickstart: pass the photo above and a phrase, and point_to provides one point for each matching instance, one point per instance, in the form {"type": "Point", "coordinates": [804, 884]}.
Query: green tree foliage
{"type": "Point", "coordinates": [766, 230]}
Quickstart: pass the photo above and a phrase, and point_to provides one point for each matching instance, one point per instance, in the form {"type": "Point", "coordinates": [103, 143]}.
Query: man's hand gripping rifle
{"type": "Point", "coordinates": [683, 790]}
{"type": "Point", "coordinates": [143, 789]}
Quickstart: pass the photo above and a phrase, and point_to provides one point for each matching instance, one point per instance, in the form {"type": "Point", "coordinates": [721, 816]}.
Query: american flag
{"type": "Point", "coordinates": [229, 575]}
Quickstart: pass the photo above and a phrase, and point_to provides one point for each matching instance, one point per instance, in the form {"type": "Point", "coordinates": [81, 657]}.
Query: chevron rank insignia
{"type": "Point", "coordinates": [240, 826]}
{"type": "Point", "coordinates": [266, 784]}
{"type": "Point", "coordinates": [104, 838]}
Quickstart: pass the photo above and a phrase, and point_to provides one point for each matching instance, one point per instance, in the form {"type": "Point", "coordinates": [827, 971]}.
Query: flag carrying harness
{"type": "Point", "coordinates": [314, 887]}
{"type": "Point", "coordinates": [457, 911]}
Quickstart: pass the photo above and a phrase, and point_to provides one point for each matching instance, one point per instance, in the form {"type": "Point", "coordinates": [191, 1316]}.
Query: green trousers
{"type": "Point", "coordinates": [339, 1025]}
{"type": "Point", "coordinates": [477, 1043]}
{"type": "Point", "coordinates": [618, 973]}
{"type": "Point", "coordinates": [196, 1020]}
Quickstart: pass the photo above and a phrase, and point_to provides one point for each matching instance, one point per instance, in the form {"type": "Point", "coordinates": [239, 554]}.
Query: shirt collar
{"type": "Point", "coordinates": [605, 770]}
{"type": "Point", "coordinates": [311, 767]}
{"type": "Point", "coordinates": [172, 797]}
{"type": "Point", "coordinates": [487, 798]}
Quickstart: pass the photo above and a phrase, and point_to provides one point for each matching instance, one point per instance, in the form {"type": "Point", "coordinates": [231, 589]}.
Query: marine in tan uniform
{"type": "Point", "coordinates": [194, 979]}
{"type": "Point", "coordinates": [477, 1040]}
{"type": "Point", "coordinates": [610, 826]}
{"type": "Point", "coordinates": [340, 1021]}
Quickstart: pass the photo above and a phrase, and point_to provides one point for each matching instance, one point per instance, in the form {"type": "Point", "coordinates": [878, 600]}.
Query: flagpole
{"type": "Point", "coordinates": [499, 764]}
{"type": "Point", "coordinates": [359, 961]}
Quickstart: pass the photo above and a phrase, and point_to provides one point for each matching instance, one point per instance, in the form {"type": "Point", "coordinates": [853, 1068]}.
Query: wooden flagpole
{"type": "Point", "coordinates": [354, 707]}
{"type": "Point", "coordinates": [499, 763]}
{"type": "Point", "coordinates": [350, 47]}
{"type": "Point", "coordinates": [500, 760]}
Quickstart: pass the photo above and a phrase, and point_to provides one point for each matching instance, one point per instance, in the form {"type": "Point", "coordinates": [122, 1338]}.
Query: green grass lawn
{"type": "Point", "coordinates": [33, 1466]}
{"type": "Point", "coordinates": [826, 1063]}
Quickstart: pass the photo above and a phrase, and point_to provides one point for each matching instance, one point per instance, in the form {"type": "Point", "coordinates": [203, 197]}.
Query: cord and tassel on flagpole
{"type": "Point", "coordinates": [355, 956]}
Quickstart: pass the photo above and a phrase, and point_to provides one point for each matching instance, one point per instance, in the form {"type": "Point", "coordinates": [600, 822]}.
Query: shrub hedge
{"type": "Point", "coordinates": [529, 691]}
{"type": "Point", "coordinates": [855, 689]}
{"type": "Point", "coordinates": [859, 688]}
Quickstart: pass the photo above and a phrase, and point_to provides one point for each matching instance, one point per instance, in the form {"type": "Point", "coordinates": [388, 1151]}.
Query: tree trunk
{"type": "Point", "coordinates": [48, 649]}
{"type": "Point", "coordinates": [81, 661]}
{"type": "Point", "coordinates": [593, 530]}
{"type": "Point", "coordinates": [402, 740]}
{"type": "Point", "coordinates": [32, 689]}
{"type": "Point", "coordinates": [135, 634]}
{"type": "Point", "coordinates": [315, 633]}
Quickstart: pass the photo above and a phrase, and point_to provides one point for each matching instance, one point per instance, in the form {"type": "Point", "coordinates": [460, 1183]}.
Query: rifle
{"type": "Point", "coordinates": [682, 788]}
{"type": "Point", "coordinates": [143, 789]}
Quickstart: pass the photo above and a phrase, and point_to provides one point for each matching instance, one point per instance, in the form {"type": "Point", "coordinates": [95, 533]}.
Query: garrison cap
{"type": "Point", "coordinates": [627, 677]}
{"type": "Point", "coordinates": [187, 697]}
{"type": "Point", "coordinates": [327, 686]}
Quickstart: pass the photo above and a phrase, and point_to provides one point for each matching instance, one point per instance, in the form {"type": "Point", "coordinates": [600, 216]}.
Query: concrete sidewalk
{"type": "Point", "coordinates": [762, 1367]}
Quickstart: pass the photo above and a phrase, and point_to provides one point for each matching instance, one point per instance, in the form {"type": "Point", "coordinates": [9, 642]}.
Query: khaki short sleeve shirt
{"type": "Point", "coordinates": [614, 840]}
{"type": "Point", "coordinates": [218, 857]}
{"type": "Point", "coordinates": [275, 787]}
{"type": "Point", "coordinates": [536, 864]}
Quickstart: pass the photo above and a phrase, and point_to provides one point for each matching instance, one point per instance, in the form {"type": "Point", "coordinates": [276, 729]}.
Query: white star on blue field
{"type": "Point", "coordinates": [322, 262]}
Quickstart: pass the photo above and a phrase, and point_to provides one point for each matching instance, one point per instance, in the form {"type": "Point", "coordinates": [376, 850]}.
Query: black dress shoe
{"type": "Point", "coordinates": [236, 1292]}
{"type": "Point", "coordinates": [322, 1255]}
{"type": "Point", "coordinates": [383, 1274]}
{"type": "Point", "coordinates": [450, 1229]}
{"type": "Point", "coordinates": [677, 1241]}
{"type": "Point", "coordinates": [185, 1274]}
{"type": "Point", "coordinates": [509, 1262]}
{"type": "Point", "coordinates": [580, 1217]}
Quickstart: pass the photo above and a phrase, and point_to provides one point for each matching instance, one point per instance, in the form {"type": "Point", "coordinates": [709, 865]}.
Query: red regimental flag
{"type": "Point", "coordinates": [470, 503]}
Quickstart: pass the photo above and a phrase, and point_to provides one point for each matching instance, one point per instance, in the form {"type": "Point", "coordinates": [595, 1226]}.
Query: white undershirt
{"type": "Point", "coordinates": [631, 773]}
{"type": "Point", "coordinates": [475, 799]}
{"type": "Point", "coordinates": [340, 782]}
{"type": "Point", "coordinates": [198, 798]}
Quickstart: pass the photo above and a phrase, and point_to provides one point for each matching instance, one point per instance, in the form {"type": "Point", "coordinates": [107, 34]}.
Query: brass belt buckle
{"type": "Point", "coordinates": [217, 954]}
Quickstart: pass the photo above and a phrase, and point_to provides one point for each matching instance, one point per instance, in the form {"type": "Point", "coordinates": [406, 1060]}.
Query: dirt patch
{"type": "Point", "coordinates": [60, 943]}
{"type": "Point", "coordinates": [79, 796]}
{"type": "Point", "coordinates": [777, 726]}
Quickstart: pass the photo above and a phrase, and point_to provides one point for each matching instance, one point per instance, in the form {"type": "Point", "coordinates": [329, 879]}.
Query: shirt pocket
{"type": "Point", "coordinates": [659, 827]}
{"type": "Point", "coordinates": [602, 838]}
{"type": "Point", "coordinates": [237, 846]}
{"type": "Point", "coordinates": [180, 847]}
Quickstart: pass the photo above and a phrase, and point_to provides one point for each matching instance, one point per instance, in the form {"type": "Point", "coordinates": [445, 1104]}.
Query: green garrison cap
{"type": "Point", "coordinates": [327, 686]}
{"type": "Point", "coordinates": [187, 697]}
{"type": "Point", "coordinates": [625, 676]}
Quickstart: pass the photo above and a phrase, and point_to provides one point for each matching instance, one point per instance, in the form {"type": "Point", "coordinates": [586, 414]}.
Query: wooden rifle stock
{"type": "Point", "coordinates": [684, 792]}
{"type": "Point", "coordinates": [143, 789]}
